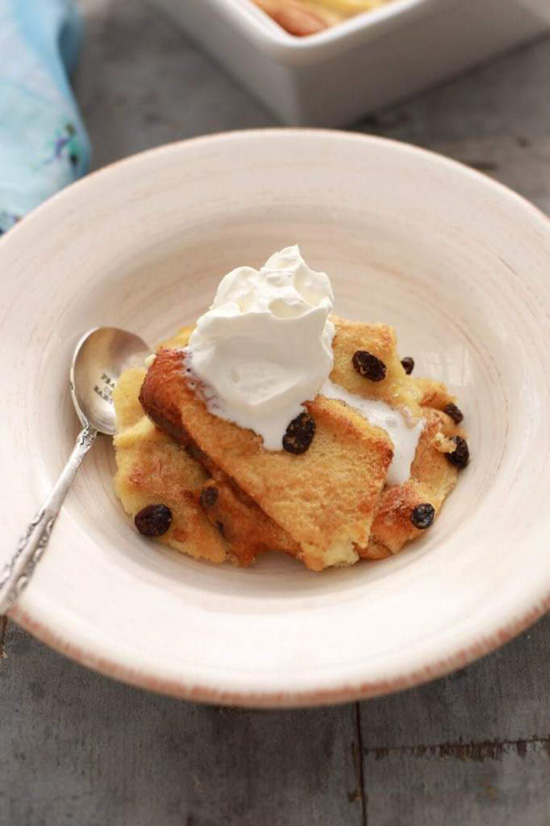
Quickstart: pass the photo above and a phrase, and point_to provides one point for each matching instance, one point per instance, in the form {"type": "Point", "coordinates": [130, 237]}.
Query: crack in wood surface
{"type": "Point", "coordinates": [3, 634]}
{"type": "Point", "coordinates": [358, 758]}
{"type": "Point", "coordinates": [473, 752]}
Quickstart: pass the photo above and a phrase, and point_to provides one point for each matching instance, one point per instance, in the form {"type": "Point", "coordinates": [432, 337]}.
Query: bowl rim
{"type": "Point", "coordinates": [502, 630]}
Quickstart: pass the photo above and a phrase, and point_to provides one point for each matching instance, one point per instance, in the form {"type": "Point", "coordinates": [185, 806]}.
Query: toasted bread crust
{"type": "Point", "coordinates": [247, 530]}
{"type": "Point", "coordinates": [152, 469]}
{"type": "Point", "coordinates": [432, 480]}
{"type": "Point", "coordinates": [268, 500]}
{"type": "Point", "coordinates": [346, 463]}
{"type": "Point", "coordinates": [396, 389]}
{"type": "Point", "coordinates": [434, 394]}
{"type": "Point", "coordinates": [432, 476]}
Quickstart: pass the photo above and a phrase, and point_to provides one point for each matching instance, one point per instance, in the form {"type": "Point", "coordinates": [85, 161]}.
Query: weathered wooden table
{"type": "Point", "coordinates": [76, 748]}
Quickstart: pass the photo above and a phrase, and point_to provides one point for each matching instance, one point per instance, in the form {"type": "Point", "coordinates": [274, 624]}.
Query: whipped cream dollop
{"type": "Point", "coordinates": [403, 433]}
{"type": "Point", "coordinates": [265, 345]}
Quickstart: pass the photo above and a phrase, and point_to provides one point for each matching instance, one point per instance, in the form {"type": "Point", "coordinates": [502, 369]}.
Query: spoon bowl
{"type": "Point", "coordinates": [100, 357]}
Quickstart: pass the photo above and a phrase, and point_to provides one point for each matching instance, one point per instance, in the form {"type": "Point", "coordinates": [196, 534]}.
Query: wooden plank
{"type": "Point", "coordinates": [3, 632]}
{"type": "Point", "coordinates": [502, 697]}
{"type": "Point", "coordinates": [498, 785]}
{"type": "Point", "coordinates": [76, 748]}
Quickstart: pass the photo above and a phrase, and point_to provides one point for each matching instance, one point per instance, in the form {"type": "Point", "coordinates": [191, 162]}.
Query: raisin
{"type": "Point", "coordinates": [299, 434]}
{"type": "Point", "coordinates": [408, 365]}
{"type": "Point", "coordinates": [369, 366]}
{"type": "Point", "coordinates": [209, 497]}
{"type": "Point", "coordinates": [461, 454]}
{"type": "Point", "coordinates": [153, 520]}
{"type": "Point", "coordinates": [454, 412]}
{"type": "Point", "coordinates": [423, 516]}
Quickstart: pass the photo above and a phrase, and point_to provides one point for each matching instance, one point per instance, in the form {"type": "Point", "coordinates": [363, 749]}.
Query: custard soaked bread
{"type": "Point", "coordinates": [153, 470]}
{"type": "Point", "coordinates": [324, 498]}
{"type": "Point", "coordinates": [208, 520]}
{"type": "Point", "coordinates": [407, 509]}
{"type": "Point", "coordinates": [240, 529]}
{"type": "Point", "coordinates": [275, 425]}
{"type": "Point", "coordinates": [382, 375]}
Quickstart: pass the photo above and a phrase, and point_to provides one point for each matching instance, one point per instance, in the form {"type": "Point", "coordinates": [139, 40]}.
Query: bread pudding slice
{"type": "Point", "coordinates": [274, 425]}
{"type": "Point", "coordinates": [152, 469]}
{"type": "Point", "coordinates": [325, 499]}
{"type": "Point", "coordinates": [216, 519]}
{"type": "Point", "coordinates": [432, 477]}
{"type": "Point", "coordinates": [396, 388]}
{"type": "Point", "coordinates": [241, 529]}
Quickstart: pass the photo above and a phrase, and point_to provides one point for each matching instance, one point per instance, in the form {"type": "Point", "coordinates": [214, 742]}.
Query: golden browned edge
{"type": "Point", "coordinates": [432, 477]}
{"type": "Point", "coordinates": [237, 453]}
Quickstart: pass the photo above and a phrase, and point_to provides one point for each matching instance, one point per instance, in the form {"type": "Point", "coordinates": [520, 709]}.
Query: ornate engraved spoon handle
{"type": "Point", "coordinates": [17, 572]}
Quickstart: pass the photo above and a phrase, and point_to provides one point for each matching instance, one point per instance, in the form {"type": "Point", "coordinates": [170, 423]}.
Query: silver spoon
{"type": "Point", "coordinates": [99, 358]}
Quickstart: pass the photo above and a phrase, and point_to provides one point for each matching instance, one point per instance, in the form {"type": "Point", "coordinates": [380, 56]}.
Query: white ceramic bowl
{"type": "Point", "coordinates": [456, 262]}
{"type": "Point", "coordinates": [362, 64]}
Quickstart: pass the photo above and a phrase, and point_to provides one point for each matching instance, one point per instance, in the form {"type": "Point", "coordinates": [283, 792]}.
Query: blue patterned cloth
{"type": "Point", "coordinates": [43, 144]}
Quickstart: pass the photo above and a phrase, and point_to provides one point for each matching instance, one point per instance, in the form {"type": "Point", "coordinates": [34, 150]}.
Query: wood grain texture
{"type": "Point", "coordinates": [503, 697]}
{"type": "Point", "coordinates": [428, 788]}
{"type": "Point", "coordinates": [469, 749]}
{"type": "Point", "coordinates": [3, 631]}
{"type": "Point", "coordinates": [78, 748]}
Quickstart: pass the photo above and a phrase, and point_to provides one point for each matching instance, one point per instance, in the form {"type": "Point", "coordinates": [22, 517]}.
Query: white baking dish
{"type": "Point", "coordinates": [363, 64]}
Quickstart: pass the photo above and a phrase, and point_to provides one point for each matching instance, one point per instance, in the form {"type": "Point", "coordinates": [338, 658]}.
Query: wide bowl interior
{"type": "Point", "coordinates": [455, 262]}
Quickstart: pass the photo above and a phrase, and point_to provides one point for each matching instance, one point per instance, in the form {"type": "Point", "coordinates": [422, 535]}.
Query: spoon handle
{"type": "Point", "coordinates": [18, 570]}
